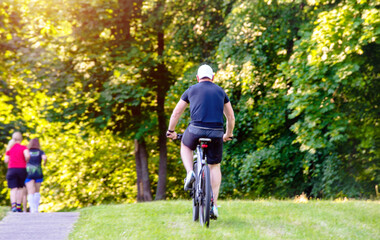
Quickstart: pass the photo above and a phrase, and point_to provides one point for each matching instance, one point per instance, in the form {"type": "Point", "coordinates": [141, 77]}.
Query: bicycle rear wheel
{"type": "Point", "coordinates": [205, 197]}
{"type": "Point", "coordinates": [194, 196]}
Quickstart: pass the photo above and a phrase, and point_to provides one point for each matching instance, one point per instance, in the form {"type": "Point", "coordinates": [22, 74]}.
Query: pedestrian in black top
{"type": "Point", "coordinates": [34, 174]}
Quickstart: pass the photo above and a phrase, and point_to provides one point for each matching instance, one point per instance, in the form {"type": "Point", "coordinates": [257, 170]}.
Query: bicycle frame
{"type": "Point", "coordinates": [201, 199]}
{"type": "Point", "coordinates": [199, 164]}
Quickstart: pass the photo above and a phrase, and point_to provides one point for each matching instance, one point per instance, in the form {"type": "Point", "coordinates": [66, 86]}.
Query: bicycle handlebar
{"type": "Point", "coordinates": [179, 137]}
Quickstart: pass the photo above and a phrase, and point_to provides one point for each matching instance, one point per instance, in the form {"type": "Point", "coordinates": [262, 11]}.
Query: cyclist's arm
{"type": "Point", "coordinates": [177, 112]}
{"type": "Point", "coordinates": [230, 124]}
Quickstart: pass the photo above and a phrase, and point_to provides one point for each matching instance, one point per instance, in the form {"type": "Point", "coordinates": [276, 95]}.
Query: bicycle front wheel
{"type": "Point", "coordinates": [205, 197]}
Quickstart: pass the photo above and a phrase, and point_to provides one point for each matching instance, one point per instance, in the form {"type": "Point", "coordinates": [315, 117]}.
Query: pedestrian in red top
{"type": "Point", "coordinates": [16, 158]}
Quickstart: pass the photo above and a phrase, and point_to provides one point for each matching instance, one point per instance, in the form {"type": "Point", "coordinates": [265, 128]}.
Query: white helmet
{"type": "Point", "coordinates": [205, 71]}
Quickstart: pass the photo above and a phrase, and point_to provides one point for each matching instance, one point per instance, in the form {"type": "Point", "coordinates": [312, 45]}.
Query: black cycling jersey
{"type": "Point", "coordinates": [206, 101]}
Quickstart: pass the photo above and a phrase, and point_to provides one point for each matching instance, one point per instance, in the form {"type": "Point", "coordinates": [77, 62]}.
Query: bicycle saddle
{"type": "Point", "coordinates": [204, 140]}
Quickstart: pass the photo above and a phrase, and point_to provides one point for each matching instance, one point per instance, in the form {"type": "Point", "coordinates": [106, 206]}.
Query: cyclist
{"type": "Point", "coordinates": [208, 102]}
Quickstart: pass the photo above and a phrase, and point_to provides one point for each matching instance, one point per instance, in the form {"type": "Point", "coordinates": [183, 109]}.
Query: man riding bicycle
{"type": "Point", "coordinates": [208, 103]}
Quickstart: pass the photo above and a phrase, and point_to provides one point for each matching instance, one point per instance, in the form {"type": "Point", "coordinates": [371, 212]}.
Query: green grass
{"type": "Point", "coordinates": [3, 212]}
{"type": "Point", "coordinates": [269, 219]}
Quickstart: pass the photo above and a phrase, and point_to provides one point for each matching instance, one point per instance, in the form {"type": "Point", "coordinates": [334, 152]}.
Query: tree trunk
{"type": "Point", "coordinates": [163, 80]}
{"type": "Point", "coordinates": [162, 127]}
{"type": "Point", "coordinates": [124, 23]}
{"type": "Point", "coordinates": [143, 183]}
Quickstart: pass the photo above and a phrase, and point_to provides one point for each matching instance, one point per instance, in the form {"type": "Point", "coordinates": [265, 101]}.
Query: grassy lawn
{"type": "Point", "coordinates": [3, 211]}
{"type": "Point", "coordinates": [269, 219]}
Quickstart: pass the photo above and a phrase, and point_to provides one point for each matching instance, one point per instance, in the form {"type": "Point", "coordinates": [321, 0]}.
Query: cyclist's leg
{"type": "Point", "coordinates": [187, 157]}
{"type": "Point", "coordinates": [214, 157]}
{"type": "Point", "coordinates": [216, 179]}
{"type": "Point", "coordinates": [188, 144]}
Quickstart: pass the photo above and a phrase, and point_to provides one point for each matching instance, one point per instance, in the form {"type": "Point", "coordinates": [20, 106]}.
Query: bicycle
{"type": "Point", "coordinates": [201, 191]}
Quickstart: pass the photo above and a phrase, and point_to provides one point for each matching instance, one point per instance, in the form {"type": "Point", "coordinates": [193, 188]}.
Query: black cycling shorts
{"type": "Point", "coordinates": [191, 137]}
{"type": "Point", "coordinates": [16, 177]}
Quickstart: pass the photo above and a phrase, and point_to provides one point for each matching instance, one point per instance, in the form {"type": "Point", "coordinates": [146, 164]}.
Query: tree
{"type": "Point", "coordinates": [262, 161]}
{"type": "Point", "coordinates": [335, 80]}
{"type": "Point", "coordinates": [104, 75]}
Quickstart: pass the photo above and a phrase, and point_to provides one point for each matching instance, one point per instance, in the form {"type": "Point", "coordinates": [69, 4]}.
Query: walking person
{"type": "Point", "coordinates": [208, 103]}
{"type": "Point", "coordinates": [10, 145]}
{"type": "Point", "coordinates": [16, 157]}
{"type": "Point", "coordinates": [24, 200]}
{"type": "Point", "coordinates": [34, 174]}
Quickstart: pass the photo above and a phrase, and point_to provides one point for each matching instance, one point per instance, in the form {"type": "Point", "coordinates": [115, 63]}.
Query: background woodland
{"type": "Point", "coordinates": [96, 82]}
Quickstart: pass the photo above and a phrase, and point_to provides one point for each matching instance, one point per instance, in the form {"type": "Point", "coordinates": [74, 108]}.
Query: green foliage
{"type": "Point", "coordinates": [87, 170]}
{"type": "Point", "coordinates": [273, 171]}
{"type": "Point", "coordinates": [197, 29]}
{"type": "Point", "coordinates": [332, 73]}
{"type": "Point", "coordinates": [261, 36]}
{"type": "Point", "coordinates": [85, 167]}
{"type": "Point", "coordinates": [302, 74]}
{"type": "Point", "coordinates": [88, 77]}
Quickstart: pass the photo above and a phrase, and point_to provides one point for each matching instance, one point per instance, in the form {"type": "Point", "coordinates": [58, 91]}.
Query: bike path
{"type": "Point", "coordinates": [42, 226]}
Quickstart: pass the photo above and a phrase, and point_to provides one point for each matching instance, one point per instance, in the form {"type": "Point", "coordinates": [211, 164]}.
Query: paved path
{"type": "Point", "coordinates": [42, 226]}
